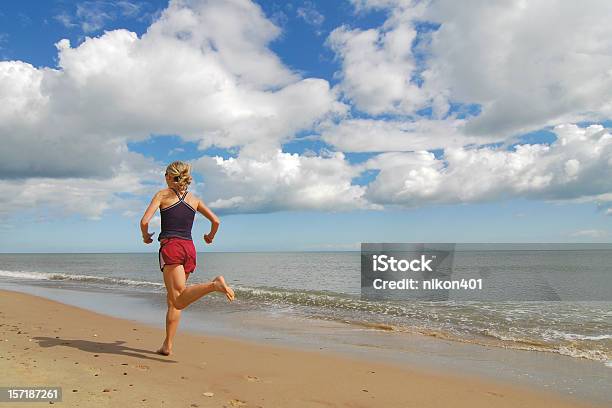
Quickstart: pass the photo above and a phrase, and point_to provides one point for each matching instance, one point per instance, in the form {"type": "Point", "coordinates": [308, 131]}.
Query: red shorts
{"type": "Point", "coordinates": [177, 251]}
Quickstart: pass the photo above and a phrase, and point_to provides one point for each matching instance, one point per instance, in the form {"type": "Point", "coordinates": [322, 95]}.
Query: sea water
{"type": "Point", "coordinates": [326, 286]}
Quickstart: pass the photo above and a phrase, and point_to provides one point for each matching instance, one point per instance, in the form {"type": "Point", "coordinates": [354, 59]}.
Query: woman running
{"type": "Point", "coordinates": [177, 254]}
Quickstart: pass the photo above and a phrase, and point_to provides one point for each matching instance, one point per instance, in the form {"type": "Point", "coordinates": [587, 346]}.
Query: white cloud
{"type": "Point", "coordinates": [528, 64]}
{"type": "Point", "coordinates": [203, 70]}
{"type": "Point", "coordinates": [87, 197]}
{"type": "Point", "coordinates": [371, 135]}
{"type": "Point", "coordinates": [500, 56]}
{"type": "Point", "coordinates": [94, 15]}
{"type": "Point", "coordinates": [571, 167]}
{"type": "Point", "coordinates": [281, 181]}
{"type": "Point", "coordinates": [65, 19]}
{"type": "Point", "coordinates": [377, 66]}
{"type": "Point", "coordinates": [309, 13]}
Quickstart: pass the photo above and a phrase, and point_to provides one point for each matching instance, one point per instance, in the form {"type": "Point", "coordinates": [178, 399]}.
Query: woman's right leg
{"type": "Point", "coordinates": [182, 296]}
{"type": "Point", "coordinates": [173, 317]}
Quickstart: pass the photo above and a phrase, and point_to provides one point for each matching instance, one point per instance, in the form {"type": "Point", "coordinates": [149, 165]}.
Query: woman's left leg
{"type": "Point", "coordinates": [180, 296]}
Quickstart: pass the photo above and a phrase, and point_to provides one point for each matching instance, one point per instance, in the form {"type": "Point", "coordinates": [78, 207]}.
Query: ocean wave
{"type": "Point", "coordinates": [450, 321]}
{"type": "Point", "coordinates": [26, 275]}
{"type": "Point", "coordinates": [492, 339]}
{"type": "Point", "coordinates": [556, 334]}
{"type": "Point", "coordinates": [78, 278]}
{"type": "Point", "coordinates": [300, 297]}
{"type": "Point", "coordinates": [429, 319]}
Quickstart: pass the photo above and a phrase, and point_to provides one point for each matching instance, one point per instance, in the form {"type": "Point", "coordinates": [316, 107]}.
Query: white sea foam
{"type": "Point", "coordinates": [78, 278]}
{"type": "Point", "coordinates": [26, 275]}
{"type": "Point", "coordinates": [453, 321]}
{"type": "Point", "coordinates": [556, 334]}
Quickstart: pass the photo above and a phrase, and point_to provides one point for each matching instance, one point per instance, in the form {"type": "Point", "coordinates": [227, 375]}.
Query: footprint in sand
{"type": "Point", "coordinates": [236, 403]}
{"type": "Point", "coordinates": [252, 378]}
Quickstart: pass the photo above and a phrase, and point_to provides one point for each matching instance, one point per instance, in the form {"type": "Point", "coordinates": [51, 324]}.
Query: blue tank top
{"type": "Point", "coordinates": [177, 219]}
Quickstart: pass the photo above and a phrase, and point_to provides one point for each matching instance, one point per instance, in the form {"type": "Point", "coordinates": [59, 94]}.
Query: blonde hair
{"type": "Point", "coordinates": [179, 173]}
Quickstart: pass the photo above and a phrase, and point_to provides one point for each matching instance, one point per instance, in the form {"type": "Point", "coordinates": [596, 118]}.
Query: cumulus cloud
{"type": "Point", "coordinates": [501, 56]}
{"type": "Point", "coordinates": [281, 181]}
{"type": "Point", "coordinates": [203, 70]}
{"type": "Point", "coordinates": [87, 197]}
{"type": "Point", "coordinates": [570, 167]}
{"type": "Point", "coordinates": [377, 67]}
{"type": "Point", "coordinates": [371, 135]}
{"type": "Point", "coordinates": [528, 64]}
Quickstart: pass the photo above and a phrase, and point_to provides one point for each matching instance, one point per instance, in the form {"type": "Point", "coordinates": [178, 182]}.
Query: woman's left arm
{"type": "Point", "coordinates": [214, 221]}
{"type": "Point", "coordinates": [144, 222]}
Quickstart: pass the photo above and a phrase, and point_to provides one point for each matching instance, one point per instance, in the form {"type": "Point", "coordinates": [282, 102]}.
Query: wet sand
{"type": "Point", "coordinates": [102, 361]}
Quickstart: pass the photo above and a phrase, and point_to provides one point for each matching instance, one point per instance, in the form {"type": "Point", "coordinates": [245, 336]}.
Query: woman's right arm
{"type": "Point", "coordinates": [149, 212]}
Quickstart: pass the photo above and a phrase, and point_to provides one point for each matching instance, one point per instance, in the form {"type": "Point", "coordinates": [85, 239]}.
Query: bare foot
{"type": "Point", "coordinates": [164, 351]}
{"type": "Point", "coordinates": [222, 287]}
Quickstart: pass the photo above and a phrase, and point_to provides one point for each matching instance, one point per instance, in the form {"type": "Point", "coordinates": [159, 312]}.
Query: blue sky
{"type": "Point", "coordinates": [424, 157]}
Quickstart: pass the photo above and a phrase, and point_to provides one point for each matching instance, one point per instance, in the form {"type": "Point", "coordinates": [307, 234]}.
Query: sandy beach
{"type": "Point", "coordinates": [102, 361]}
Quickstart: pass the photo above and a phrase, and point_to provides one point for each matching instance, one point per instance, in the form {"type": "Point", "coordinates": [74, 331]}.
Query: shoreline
{"type": "Point", "coordinates": [576, 378]}
{"type": "Point", "coordinates": [92, 352]}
